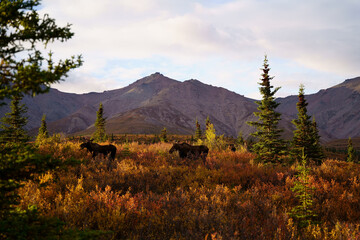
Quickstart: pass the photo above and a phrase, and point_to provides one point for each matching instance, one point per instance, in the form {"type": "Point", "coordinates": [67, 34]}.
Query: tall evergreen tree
{"type": "Point", "coordinates": [14, 122]}
{"type": "Point", "coordinates": [306, 136]}
{"type": "Point", "coordinates": [269, 146]}
{"type": "Point", "coordinates": [302, 139]}
{"type": "Point", "coordinates": [315, 152]}
{"type": "Point", "coordinates": [43, 132]}
{"type": "Point", "coordinates": [100, 134]}
{"type": "Point", "coordinates": [22, 72]}
{"type": "Point", "coordinates": [350, 151]}
{"type": "Point", "coordinates": [198, 132]}
{"type": "Point", "coordinates": [23, 35]}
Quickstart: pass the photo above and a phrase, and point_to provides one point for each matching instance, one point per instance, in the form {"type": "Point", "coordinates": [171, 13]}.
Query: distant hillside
{"type": "Point", "coordinates": [342, 144]}
{"type": "Point", "coordinates": [336, 109]}
{"type": "Point", "coordinates": [156, 101]}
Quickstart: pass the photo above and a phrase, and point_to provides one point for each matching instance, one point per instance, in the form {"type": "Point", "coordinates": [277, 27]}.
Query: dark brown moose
{"type": "Point", "coordinates": [188, 151]}
{"type": "Point", "coordinates": [95, 149]}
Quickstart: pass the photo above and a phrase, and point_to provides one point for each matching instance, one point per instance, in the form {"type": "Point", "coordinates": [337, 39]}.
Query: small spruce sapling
{"type": "Point", "coordinates": [126, 150]}
{"type": "Point", "coordinates": [303, 213]}
{"type": "Point", "coordinates": [43, 132]}
{"type": "Point", "coordinates": [100, 134]}
{"type": "Point", "coordinates": [14, 122]}
{"type": "Point", "coordinates": [163, 135]}
{"type": "Point", "coordinates": [350, 151]}
{"type": "Point", "coordinates": [240, 139]}
{"type": "Point", "coordinates": [198, 132]}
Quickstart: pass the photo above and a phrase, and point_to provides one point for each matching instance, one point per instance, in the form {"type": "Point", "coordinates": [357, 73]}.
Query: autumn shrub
{"type": "Point", "coordinates": [151, 194]}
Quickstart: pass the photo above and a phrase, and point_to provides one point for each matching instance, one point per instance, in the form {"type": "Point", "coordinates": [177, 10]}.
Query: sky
{"type": "Point", "coordinates": [222, 43]}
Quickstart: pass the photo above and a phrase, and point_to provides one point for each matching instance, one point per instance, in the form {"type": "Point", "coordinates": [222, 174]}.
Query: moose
{"type": "Point", "coordinates": [188, 151]}
{"type": "Point", "coordinates": [95, 149]}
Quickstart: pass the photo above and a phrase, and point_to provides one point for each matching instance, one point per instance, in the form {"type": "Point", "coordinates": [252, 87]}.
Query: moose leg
{"type": "Point", "coordinates": [203, 157]}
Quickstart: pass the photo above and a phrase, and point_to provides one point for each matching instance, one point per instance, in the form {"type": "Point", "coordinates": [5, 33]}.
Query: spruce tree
{"type": "Point", "coordinates": [43, 132]}
{"type": "Point", "coordinates": [269, 146]}
{"type": "Point", "coordinates": [303, 212]}
{"type": "Point", "coordinates": [100, 134]}
{"type": "Point", "coordinates": [240, 139]}
{"type": "Point", "coordinates": [350, 151]}
{"type": "Point", "coordinates": [14, 122]}
{"type": "Point", "coordinates": [126, 149]}
{"type": "Point", "coordinates": [163, 135]}
{"type": "Point", "coordinates": [315, 151]}
{"type": "Point", "coordinates": [302, 139]}
{"type": "Point", "coordinates": [24, 36]}
{"type": "Point", "coordinates": [198, 132]}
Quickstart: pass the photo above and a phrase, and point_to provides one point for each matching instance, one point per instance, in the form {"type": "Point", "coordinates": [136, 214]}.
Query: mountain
{"type": "Point", "coordinates": [336, 109]}
{"type": "Point", "coordinates": [156, 101]}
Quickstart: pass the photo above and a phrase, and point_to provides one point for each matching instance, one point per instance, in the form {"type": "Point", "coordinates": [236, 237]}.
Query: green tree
{"type": "Point", "coordinates": [350, 151]}
{"type": "Point", "coordinates": [24, 70]}
{"type": "Point", "coordinates": [316, 151]}
{"type": "Point", "coordinates": [163, 135]}
{"type": "Point", "coordinates": [126, 149]}
{"type": "Point", "coordinates": [43, 132]}
{"type": "Point", "coordinates": [269, 146]}
{"type": "Point", "coordinates": [14, 122]}
{"type": "Point", "coordinates": [198, 132]}
{"type": "Point", "coordinates": [304, 138]}
{"type": "Point", "coordinates": [303, 213]}
{"type": "Point", "coordinates": [100, 134]}
{"type": "Point", "coordinates": [240, 139]}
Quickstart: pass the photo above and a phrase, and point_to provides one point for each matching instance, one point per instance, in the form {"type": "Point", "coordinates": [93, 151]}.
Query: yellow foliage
{"type": "Point", "coordinates": [152, 194]}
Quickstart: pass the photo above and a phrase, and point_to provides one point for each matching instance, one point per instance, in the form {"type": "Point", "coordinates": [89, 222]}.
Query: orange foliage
{"type": "Point", "coordinates": [151, 194]}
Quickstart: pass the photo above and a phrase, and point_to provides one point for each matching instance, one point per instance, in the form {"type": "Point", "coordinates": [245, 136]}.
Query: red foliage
{"type": "Point", "coordinates": [151, 194]}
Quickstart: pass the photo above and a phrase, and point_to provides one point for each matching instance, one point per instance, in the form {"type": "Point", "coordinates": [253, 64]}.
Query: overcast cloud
{"type": "Point", "coordinates": [314, 42]}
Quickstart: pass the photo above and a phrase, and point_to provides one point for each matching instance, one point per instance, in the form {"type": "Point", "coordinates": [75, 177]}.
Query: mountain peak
{"type": "Point", "coordinates": [155, 77]}
{"type": "Point", "coordinates": [156, 74]}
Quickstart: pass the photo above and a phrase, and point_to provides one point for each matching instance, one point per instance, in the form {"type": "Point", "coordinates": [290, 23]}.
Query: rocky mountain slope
{"type": "Point", "coordinates": [156, 101]}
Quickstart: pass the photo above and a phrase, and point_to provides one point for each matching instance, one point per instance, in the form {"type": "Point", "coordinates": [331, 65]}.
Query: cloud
{"type": "Point", "coordinates": [319, 38]}
{"type": "Point", "coordinates": [114, 78]}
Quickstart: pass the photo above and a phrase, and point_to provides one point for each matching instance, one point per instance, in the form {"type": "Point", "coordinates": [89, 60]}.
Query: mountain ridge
{"type": "Point", "coordinates": [156, 101]}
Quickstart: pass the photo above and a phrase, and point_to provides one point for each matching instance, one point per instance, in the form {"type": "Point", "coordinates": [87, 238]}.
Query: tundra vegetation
{"type": "Point", "coordinates": [148, 193]}
{"type": "Point", "coordinates": [53, 189]}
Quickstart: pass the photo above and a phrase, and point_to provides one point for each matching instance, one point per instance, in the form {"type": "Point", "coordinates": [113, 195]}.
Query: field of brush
{"type": "Point", "coordinates": [147, 193]}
